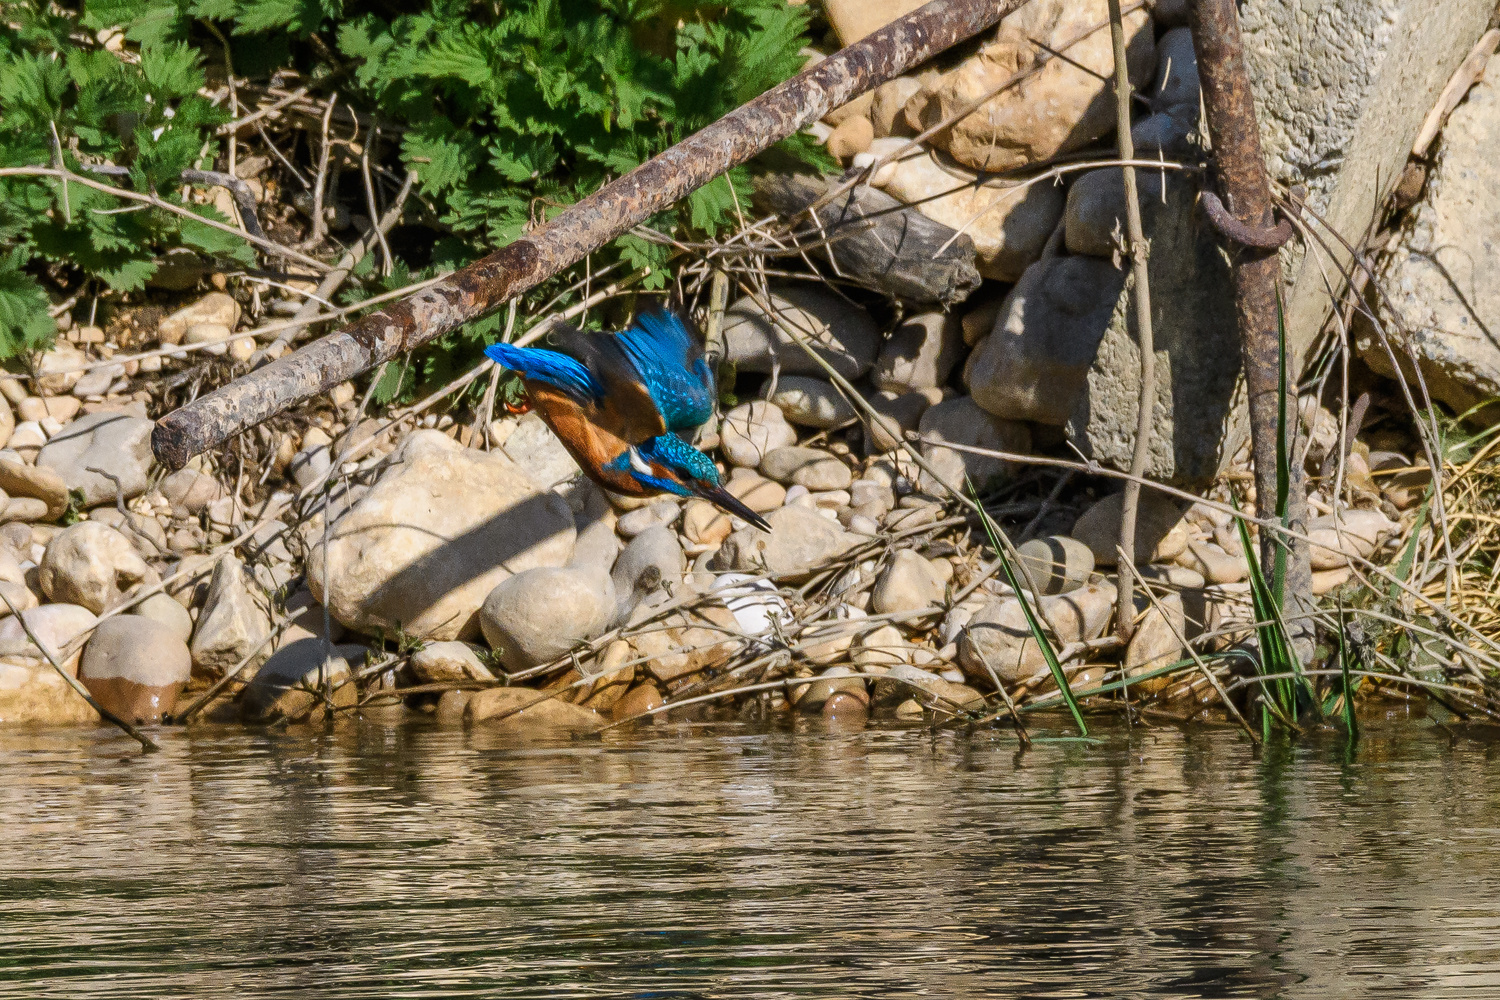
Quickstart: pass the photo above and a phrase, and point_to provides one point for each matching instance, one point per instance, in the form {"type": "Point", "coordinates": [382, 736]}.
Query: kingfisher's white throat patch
{"type": "Point", "coordinates": [637, 462]}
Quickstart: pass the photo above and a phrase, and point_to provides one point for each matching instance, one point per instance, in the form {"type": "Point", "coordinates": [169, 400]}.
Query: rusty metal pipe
{"type": "Point", "coordinates": [612, 210]}
{"type": "Point", "coordinates": [1234, 131]}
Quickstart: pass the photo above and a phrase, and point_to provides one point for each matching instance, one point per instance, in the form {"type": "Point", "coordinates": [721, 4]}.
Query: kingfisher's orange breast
{"type": "Point", "coordinates": [592, 445]}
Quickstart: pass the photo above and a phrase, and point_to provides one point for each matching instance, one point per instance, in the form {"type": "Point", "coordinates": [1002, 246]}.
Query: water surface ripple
{"type": "Point", "coordinates": [724, 861]}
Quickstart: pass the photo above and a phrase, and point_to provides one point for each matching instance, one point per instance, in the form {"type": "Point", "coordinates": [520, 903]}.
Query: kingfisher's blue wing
{"type": "Point", "coordinates": [669, 364]}
{"type": "Point", "coordinates": [550, 367]}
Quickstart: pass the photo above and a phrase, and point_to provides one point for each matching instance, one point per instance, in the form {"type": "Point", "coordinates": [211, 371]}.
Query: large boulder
{"type": "Point", "coordinates": [233, 624]}
{"type": "Point", "coordinates": [1443, 278]}
{"type": "Point", "coordinates": [1199, 415]}
{"type": "Point", "coordinates": [440, 529]}
{"type": "Point", "coordinates": [800, 541]}
{"type": "Point", "coordinates": [1341, 89]}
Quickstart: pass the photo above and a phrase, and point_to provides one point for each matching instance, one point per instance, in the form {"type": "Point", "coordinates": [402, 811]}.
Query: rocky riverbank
{"type": "Point", "coordinates": [430, 559]}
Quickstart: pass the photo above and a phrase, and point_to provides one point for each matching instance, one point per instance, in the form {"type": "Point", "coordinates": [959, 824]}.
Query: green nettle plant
{"type": "Point", "coordinates": [506, 112]}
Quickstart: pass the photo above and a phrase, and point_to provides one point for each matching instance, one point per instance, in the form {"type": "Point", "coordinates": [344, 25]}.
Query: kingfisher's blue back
{"type": "Point", "coordinates": [618, 402]}
{"type": "Point", "coordinates": [653, 372]}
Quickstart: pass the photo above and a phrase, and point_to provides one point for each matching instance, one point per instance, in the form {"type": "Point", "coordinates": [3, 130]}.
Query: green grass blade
{"type": "Point", "coordinates": [1345, 654]}
{"type": "Point", "coordinates": [1276, 654]}
{"type": "Point", "coordinates": [1040, 636]}
{"type": "Point", "coordinates": [1409, 557]}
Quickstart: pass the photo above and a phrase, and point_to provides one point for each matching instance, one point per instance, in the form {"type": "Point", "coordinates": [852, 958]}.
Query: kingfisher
{"type": "Point", "coordinates": [618, 401]}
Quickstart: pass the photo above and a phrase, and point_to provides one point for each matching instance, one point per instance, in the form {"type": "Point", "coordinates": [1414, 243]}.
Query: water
{"type": "Point", "coordinates": [722, 861]}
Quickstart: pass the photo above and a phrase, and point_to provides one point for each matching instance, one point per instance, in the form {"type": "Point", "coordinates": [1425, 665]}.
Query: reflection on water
{"type": "Point", "coordinates": [732, 862]}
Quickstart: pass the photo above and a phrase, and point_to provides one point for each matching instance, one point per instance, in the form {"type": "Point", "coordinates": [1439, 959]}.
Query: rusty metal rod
{"type": "Point", "coordinates": [612, 210]}
{"type": "Point", "coordinates": [1229, 107]}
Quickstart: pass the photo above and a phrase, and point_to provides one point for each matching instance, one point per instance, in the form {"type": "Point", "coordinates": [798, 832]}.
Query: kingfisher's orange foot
{"type": "Point", "coordinates": [518, 408]}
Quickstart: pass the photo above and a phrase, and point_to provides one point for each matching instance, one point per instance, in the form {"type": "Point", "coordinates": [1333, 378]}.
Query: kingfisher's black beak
{"type": "Point", "coordinates": [726, 501]}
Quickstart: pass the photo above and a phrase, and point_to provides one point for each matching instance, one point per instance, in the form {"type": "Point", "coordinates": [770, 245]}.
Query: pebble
{"type": "Point", "coordinates": [880, 650]}
{"type": "Point", "coordinates": [899, 683]}
{"type": "Point", "coordinates": [27, 439]}
{"type": "Point", "coordinates": [799, 542]}
{"type": "Point", "coordinates": [908, 583]}
{"type": "Point", "coordinates": [310, 465]}
{"type": "Point", "coordinates": [653, 558]}
{"type": "Point", "coordinates": [92, 565]}
{"type": "Point", "coordinates": [523, 713]}
{"type": "Point", "coordinates": [24, 509]}
{"type": "Point", "coordinates": [449, 663]}
{"type": "Point", "coordinates": [144, 531]}
{"type": "Point", "coordinates": [760, 494]}
{"type": "Point", "coordinates": [116, 443]}
{"type": "Point", "coordinates": [38, 408]}
{"type": "Point", "coordinates": [289, 684]}
{"type": "Point", "coordinates": [845, 707]}
{"type": "Point", "coordinates": [95, 383]}
{"type": "Point", "coordinates": [1156, 643]}
{"type": "Point", "coordinates": [166, 612]}
{"type": "Point", "coordinates": [232, 624]}
{"type": "Point", "coordinates": [215, 307]}
{"type": "Point", "coordinates": [842, 335]}
{"type": "Point", "coordinates": [812, 402]}
{"type": "Point", "coordinates": [961, 421]}
{"type": "Point", "coordinates": [55, 626]}
{"type": "Point", "coordinates": [704, 525]}
{"type": "Point", "coordinates": [190, 490]}
{"type": "Point", "coordinates": [1160, 530]}
{"type": "Point", "coordinates": [751, 430]}
{"type": "Point", "coordinates": [753, 602]}
{"type": "Point", "coordinates": [999, 637]}
{"type": "Point", "coordinates": [658, 513]}
{"type": "Point", "coordinates": [919, 354]}
{"type": "Point", "coordinates": [812, 468]}
{"type": "Point", "coordinates": [640, 699]}
{"type": "Point", "coordinates": [897, 415]}
{"type": "Point", "coordinates": [135, 667]}
{"type": "Point", "coordinates": [1328, 580]}
{"type": "Point", "coordinates": [7, 419]}
{"type": "Point", "coordinates": [1057, 564]}
{"type": "Point", "coordinates": [1177, 577]}
{"type": "Point", "coordinates": [1216, 565]}
{"type": "Point", "coordinates": [1351, 533]}
{"type": "Point", "coordinates": [213, 335]}
{"type": "Point", "coordinates": [540, 614]}
{"type": "Point", "coordinates": [910, 709]}
{"type": "Point", "coordinates": [60, 369]}
{"type": "Point", "coordinates": [852, 136]}
{"type": "Point", "coordinates": [832, 681]}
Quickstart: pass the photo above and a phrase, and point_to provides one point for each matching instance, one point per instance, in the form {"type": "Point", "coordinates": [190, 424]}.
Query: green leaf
{"type": "Point", "coordinates": [25, 324]}
{"type": "Point", "coordinates": [1025, 598]}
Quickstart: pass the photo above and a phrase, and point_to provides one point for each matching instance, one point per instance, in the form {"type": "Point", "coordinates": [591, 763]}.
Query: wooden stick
{"type": "Point", "coordinates": [650, 188]}
{"type": "Point", "coordinates": [1141, 293]}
